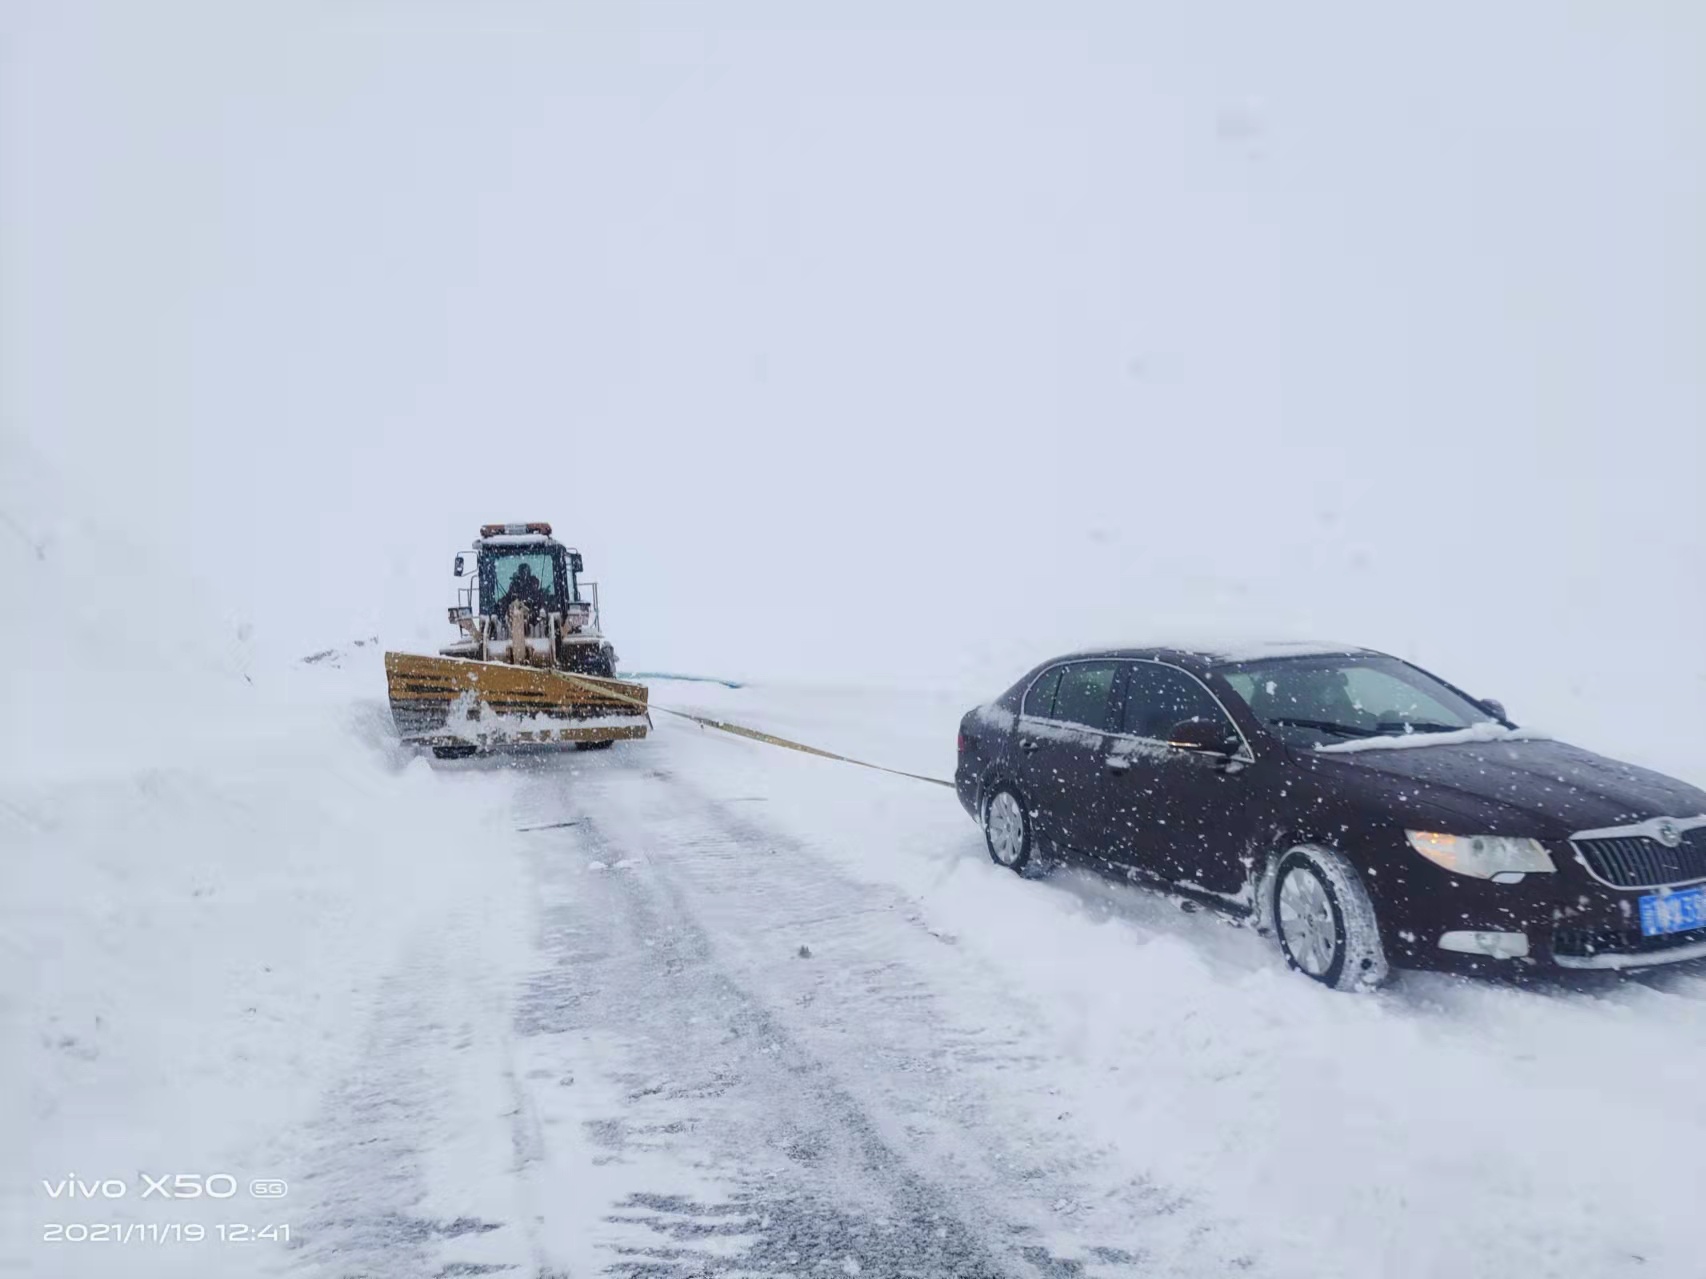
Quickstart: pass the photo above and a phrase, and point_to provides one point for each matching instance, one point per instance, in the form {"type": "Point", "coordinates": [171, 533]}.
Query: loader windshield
{"type": "Point", "coordinates": [537, 571]}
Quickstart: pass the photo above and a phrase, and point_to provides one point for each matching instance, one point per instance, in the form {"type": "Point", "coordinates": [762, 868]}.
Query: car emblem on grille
{"type": "Point", "coordinates": [1667, 833]}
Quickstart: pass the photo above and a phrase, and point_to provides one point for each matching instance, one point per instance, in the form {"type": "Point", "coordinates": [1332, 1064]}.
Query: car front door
{"type": "Point", "coordinates": [1059, 743]}
{"type": "Point", "coordinates": [1178, 812]}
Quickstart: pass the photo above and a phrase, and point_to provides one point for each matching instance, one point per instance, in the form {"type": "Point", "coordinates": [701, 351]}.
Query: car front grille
{"type": "Point", "coordinates": [1635, 861]}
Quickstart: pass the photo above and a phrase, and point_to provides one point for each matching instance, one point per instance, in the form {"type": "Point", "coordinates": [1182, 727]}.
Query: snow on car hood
{"type": "Point", "coordinates": [1484, 732]}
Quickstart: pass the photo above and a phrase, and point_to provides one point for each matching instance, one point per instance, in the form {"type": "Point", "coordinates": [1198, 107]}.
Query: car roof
{"type": "Point", "coordinates": [1218, 652]}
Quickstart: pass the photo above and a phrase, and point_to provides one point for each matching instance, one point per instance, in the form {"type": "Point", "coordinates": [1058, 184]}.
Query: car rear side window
{"type": "Point", "coordinates": [1039, 701]}
{"type": "Point", "coordinates": [1083, 694]}
{"type": "Point", "coordinates": [1159, 698]}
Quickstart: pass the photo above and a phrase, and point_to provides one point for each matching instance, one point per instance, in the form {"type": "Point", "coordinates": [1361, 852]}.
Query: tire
{"type": "Point", "coordinates": [1007, 829]}
{"type": "Point", "coordinates": [584, 659]}
{"type": "Point", "coordinates": [596, 746]}
{"type": "Point", "coordinates": [1324, 920]}
{"type": "Point", "coordinates": [459, 751]}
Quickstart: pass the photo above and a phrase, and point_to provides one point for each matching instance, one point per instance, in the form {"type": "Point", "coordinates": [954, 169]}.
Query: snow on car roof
{"type": "Point", "coordinates": [1248, 651]}
{"type": "Point", "coordinates": [1234, 650]}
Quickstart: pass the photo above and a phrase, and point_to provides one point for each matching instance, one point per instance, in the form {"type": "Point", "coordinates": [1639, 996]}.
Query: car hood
{"type": "Point", "coordinates": [1537, 787]}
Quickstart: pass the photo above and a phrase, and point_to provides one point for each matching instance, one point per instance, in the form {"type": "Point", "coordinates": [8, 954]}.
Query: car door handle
{"type": "Point", "coordinates": [1117, 763]}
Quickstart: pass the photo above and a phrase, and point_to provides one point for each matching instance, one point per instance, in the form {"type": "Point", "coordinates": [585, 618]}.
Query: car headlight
{"type": "Point", "coordinates": [1482, 856]}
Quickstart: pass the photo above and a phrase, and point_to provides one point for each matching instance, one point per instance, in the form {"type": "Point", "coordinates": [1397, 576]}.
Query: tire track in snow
{"type": "Point", "coordinates": [660, 1083]}
{"type": "Point", "coordinates": [880, 1103]}
{"type": "Point", "coordinates": [431, 1108]}
{"type": "Point", "coordinates": [716, 1111]}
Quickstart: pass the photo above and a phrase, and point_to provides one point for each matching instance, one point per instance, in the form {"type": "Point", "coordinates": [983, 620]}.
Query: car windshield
{"type": "Point", "coordinates": [1314, 701]}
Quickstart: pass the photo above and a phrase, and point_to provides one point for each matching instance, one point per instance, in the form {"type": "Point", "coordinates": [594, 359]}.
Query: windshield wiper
{"type": "Point", "coordinates": [1401, 726]}
{"type": "Point", "coordinates": [1326, 726]}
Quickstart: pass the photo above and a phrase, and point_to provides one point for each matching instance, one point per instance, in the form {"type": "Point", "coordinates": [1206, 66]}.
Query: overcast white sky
{"type": "Point", "coordinates": [904, 342]}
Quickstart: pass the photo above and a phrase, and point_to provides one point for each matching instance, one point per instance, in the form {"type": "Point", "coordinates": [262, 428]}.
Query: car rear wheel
{"type": "Point", "coordinates": [1325, 920]}
{"type": "Point", "coordinates": [1007, 830]}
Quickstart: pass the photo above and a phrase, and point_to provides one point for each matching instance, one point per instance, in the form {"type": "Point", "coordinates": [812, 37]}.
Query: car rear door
{"type": "Point", "coordinates": [1175, 812]}
{"type": "Point", "coordinates": [1059, 744]}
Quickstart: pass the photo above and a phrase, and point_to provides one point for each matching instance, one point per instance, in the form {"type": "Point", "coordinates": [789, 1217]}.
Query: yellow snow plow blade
{"type": "Point", "coordinates": [455, 702]}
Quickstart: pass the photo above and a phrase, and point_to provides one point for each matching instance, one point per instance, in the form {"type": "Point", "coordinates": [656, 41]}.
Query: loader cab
{"type": "Point", "coordinates": [545, 572]}
{"type": "Point", "coordinates": [533, 573]}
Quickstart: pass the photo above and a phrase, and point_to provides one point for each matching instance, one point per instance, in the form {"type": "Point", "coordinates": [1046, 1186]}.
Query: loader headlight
{"type": "Point", "coordinates": [1482, 856]}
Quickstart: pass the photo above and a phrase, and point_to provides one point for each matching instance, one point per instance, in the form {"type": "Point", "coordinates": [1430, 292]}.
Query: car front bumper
{"type": "Point", "coordinates": [1564, 920]}
{"type": "Point", "coordinates": [1616, 960]}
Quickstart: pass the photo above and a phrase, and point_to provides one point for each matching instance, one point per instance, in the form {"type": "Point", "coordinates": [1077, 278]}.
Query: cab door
{"type": "Point", "coordinates": [1059, 744]}
{"type": "Point", "coordinates": [1177, 812]}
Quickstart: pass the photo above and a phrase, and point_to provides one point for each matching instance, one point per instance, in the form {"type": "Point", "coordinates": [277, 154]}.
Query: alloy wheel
{"type": "Point", "coordinates": [1006, 825]}
{"type": "Point", "coordinates": [1306, 921]}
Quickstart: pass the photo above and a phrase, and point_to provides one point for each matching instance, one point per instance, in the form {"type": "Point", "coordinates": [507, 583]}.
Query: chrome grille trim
{"type": "Point", "coordinates": [1648, 828]}
{"type": "Point", "coordinates": [1634, 857]}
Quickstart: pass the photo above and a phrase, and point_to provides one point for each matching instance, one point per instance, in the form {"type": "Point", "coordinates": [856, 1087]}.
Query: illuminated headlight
{"type": "Point", "coordinates": [1482, 856]}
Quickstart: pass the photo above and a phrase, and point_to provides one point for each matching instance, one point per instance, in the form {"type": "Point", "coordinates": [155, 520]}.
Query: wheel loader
{"type": "Point", "coordinates": [531, 667]}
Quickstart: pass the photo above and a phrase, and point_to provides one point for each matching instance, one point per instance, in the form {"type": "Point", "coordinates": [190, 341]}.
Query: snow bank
{"type": "Point", "coordinates": [208, 870]}
{"type": "Point", "coordinates": [123, 658]}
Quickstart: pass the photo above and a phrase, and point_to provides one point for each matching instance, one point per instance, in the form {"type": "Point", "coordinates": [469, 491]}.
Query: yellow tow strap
{"type": "Point", "coordinates": [602, 687]}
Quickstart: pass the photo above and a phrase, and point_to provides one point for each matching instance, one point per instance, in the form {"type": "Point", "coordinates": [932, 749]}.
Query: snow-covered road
{"type": "Point", "coordinates": [965, 1073]}
{"type": "Point", "coordinates": [721, 1055]}
{"type": "Point", "coordinates": [699, 1006]}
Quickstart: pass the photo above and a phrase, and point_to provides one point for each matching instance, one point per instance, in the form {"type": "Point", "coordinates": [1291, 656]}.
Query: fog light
{"type": "Point", "coordinates": [1498, 945]}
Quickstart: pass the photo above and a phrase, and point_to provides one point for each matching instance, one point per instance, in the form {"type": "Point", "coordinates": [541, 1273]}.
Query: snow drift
{"type": "Point", "coordinates": [207, 870]}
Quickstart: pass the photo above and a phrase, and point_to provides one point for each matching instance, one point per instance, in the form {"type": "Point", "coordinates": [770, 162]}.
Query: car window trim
{"type": "Point", "coordinates": [1107, 712]}
{"type": "Point", "coordinates": [1034, 681]}
{"type": "Point", "coordinates": [1246, 753]}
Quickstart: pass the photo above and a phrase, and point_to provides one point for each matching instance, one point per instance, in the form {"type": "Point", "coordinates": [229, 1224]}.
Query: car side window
{"type": "Point", "coordinates": [1083, 694]}
{"type": "Point", "coordinates": [1039, 700]}
{"type": "Point", "coordinates": [1159, 698]}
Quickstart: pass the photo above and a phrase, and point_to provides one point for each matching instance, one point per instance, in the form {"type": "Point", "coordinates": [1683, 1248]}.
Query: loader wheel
{"type": "Point", "coordinates": [596, 746]}
{"type": "Point", "coordinates": [459, 751]}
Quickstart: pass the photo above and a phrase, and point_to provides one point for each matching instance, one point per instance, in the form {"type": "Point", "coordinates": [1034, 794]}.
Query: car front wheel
{"type": "Point", "coordinates": [1325, 920]}
{"type": "Point", "coordinates": [1007, 830]}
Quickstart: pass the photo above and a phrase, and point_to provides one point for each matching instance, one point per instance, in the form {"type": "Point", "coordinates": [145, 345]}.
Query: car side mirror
{"type": "Point", "coordinates": [1495, 708]}
{"type": "Point", "coordinates": [575, 562]}
{"type": "Point", "coordinates": [461, 566]}
{"type": "Point", "coordinates": [1203, 735]}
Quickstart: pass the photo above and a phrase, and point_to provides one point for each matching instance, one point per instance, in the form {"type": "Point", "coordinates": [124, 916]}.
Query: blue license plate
{"type": "Point", "coordinates": [1663, 913]}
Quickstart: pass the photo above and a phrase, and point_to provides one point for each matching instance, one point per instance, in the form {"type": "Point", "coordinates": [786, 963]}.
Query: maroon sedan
{"type": "Point", "coordinates": [1366, 812]}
